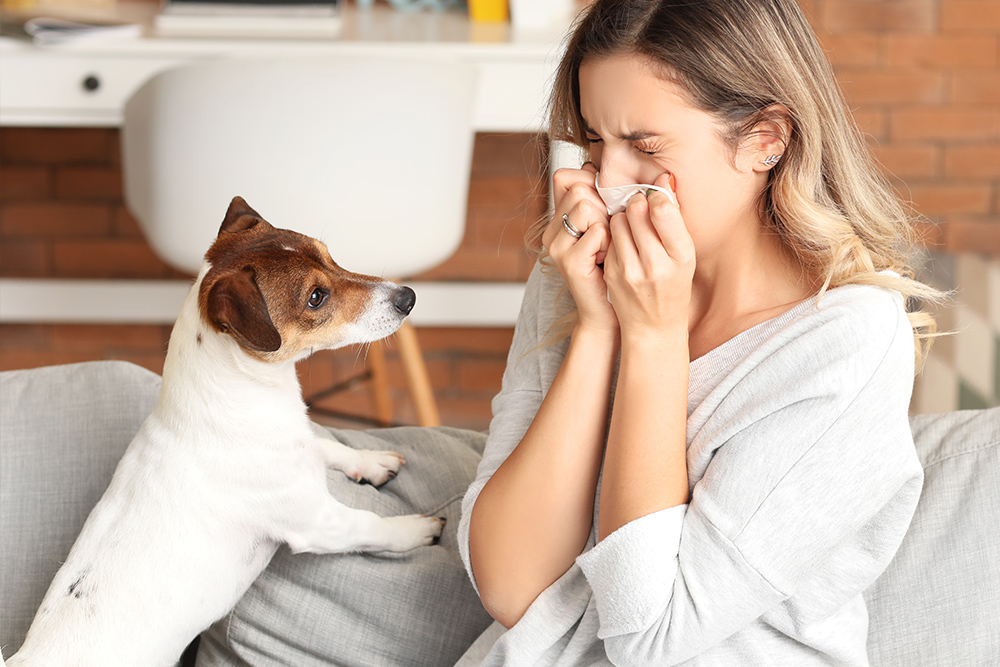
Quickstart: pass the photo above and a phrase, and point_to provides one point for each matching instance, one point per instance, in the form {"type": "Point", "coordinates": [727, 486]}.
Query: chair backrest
{"type": "Point", "coordinates": [370, 155]}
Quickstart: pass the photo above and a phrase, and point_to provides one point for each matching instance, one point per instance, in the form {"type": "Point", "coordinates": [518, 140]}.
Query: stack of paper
{"type": "Point", "coordinates": [249, 18]}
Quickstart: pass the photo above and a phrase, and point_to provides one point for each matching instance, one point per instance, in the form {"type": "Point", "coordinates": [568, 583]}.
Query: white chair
{"type": "Point", "coordinates": [370, 155]}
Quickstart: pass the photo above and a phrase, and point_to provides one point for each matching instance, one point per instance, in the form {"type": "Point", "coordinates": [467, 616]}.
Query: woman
{"type": "Point", "coordinates": [701, 452]}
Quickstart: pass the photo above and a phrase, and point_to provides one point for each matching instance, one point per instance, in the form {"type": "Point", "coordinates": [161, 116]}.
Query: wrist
{"type": "Point", "coordinates": [605, 336]}
{"type": "Point", "coordinates": [644, 341]}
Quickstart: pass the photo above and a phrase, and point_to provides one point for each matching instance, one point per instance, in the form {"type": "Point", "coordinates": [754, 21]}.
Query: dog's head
{"type": "Point", "coordinates": [280, 295]}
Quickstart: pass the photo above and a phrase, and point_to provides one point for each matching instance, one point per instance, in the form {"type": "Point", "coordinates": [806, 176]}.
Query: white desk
{"type": "Point", "coordinates": [48, 87]}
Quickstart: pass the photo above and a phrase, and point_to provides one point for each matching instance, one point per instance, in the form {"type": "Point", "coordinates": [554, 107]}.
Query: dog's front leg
{"type": "Point", "coordinates": [361, 465]}
{"type": "Point", "coordinates": [341, 529]}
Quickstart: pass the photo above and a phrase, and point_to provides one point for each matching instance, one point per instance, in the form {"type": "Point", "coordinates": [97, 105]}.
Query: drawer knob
{"type": "Point", "coordinates": [91, 83]}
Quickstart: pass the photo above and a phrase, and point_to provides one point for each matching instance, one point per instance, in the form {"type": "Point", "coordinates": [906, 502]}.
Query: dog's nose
{"type": "Point", "coordinates": [403, 300]}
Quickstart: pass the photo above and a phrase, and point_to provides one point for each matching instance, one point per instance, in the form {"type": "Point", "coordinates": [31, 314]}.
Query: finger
{"type": "Point", "coordinates": [625, 251]}
{"type": "Point", "coordinates": [564, 180]}
{"type": "Point", "coordinates": [589, 166]}
{"type": "Point", "coordinates": [665, 217]}
{"type": "Point", "coordinates": [649, 246]}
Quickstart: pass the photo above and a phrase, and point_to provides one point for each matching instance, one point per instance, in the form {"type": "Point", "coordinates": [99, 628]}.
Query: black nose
{"type": "Point", "coordinates": [403, 300]}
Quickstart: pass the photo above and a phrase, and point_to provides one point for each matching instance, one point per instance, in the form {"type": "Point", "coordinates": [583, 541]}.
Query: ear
{"type": "Point", "coordinates": [240, 217]}
{"type": "Point", "coordinates": [235, 306]}
{"type": "Point", "coordinates": [769, 137]}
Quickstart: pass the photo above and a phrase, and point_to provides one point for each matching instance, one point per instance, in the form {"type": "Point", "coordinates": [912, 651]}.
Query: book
{"type": "Point", "coordinates": [51, 31]}
{"type": "Point", "coordinates": [249, 18]}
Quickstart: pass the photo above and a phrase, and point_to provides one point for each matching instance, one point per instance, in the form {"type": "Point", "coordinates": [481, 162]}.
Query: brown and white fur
{"type": "Point", "coordinates": [226, 468]}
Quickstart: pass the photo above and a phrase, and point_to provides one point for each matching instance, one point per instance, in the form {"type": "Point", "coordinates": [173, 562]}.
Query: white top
{"type": "Point", "coordinates": [803, 481]}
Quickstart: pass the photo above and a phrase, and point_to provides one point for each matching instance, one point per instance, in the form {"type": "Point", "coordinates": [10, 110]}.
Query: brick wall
{"type": "Point", "coordinates": [922, 76]}
{"type": "Point", "coordinates": [923, 79]}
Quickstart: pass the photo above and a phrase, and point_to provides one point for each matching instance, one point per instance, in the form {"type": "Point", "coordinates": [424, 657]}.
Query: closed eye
{"type": "Point", "coordinates": [318, 297]}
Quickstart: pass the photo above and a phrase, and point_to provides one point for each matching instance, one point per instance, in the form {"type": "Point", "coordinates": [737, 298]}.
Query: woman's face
{"type": "Point", "coordinates": [640, 126]}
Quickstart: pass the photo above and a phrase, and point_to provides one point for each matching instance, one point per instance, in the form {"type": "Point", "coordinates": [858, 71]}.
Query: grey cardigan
{"type": "Point", "coordinates": [803, 481]}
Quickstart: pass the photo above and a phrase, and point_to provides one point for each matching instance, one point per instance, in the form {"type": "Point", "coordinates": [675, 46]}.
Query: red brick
{"type": "Point", "coordinates": [106, 259]}
{"type": "Point", "coordinates": [25, 259]}
{"type": "Point", "coordinates": [481, 340]}
{"type": "Point", "coordinates": [872, 122]}
{"type": "Point", "coordinates": [947, 200]}
{"type": "Point", "coordinates": [972, 162]}
{"type": "Point", "coordinates": [941, 51]}
{"type": "Point", "coordinates": [895, 86]}
{"type": "Point", "coordinates": [11, 360]}
{"type": "Point", "coordinates": [500, 193]}
{"type": "Point", "coordinates": [911, 16]}
{"type": "Point", "coordinates": [851, 49]}
{"type": "Point", "coordinates": [25, 336]}
{"type": "Point", "coordinates": [950, 123]}
{"type": "Point", "coordinates": [105, 339]}
{"type": "Point", "coordinates": [125, 225]}
{"type": "Point", "coordinates": [29, 145]}
{"type": "Point", "coordinates": [25, 182]}
{"type": "Point", "coordinates": [55, 219]}
{"type": "Point", "coordinates": [977, 88]}
{"type": "Point", "coordinates": [970, 15]}
{"type": "Point", "coordinates": [509, 154]}
{"type": "Point", "coordinates": [88, 182]}
{"type": "Point", "coordinates": [494, 231]}
{"type": "Point", "coordinates": [471, 263]}
{"type": "Point", "coordinates": [909, 161]}
{"type": "Point", "coordinates": [969, 235]}
{"type": "Point", "coordinates": [481, 375]}
{"type": "Point", "coordinates": [439, 372]}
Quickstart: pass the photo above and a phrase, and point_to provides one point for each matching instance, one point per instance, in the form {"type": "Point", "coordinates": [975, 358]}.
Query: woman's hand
{"type": "Point", "coordinates": [579, 260]}
{"type": "Point", "coordinates": [650, 265]}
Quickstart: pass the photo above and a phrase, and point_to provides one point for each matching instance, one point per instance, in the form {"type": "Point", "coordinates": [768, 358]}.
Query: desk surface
{"type": "Point", "coordinates": [45, 86]}
{"type": "Point", "coordinates": [448, 30]}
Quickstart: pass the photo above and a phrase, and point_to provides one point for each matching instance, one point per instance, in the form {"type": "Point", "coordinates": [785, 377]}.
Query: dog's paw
{"type": "Point", "coordinates": [374, 467]}
{"type": "Point", "coordinates": [414, 530]}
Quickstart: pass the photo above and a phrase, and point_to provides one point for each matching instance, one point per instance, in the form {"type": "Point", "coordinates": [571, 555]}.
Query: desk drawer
{"type": "Point", "coordinates": [70, 90]}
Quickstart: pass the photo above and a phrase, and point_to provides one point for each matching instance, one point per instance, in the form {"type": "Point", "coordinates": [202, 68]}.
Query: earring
{"type": "Point", "coordinates": [770, 160]}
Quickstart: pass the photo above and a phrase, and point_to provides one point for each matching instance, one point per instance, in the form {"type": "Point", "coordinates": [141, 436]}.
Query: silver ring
{"type": "Point", "coordinates": [570, 229]}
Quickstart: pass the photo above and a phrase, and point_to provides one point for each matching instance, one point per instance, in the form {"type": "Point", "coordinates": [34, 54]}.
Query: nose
{"type": "Point", "coordinates": [403, 299]}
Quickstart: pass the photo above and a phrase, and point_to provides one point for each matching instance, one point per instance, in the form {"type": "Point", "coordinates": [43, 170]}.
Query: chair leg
{"type": "Point", "coordinates": [379, 384]}
{"type": "Point", "coordinates": [416, 375]}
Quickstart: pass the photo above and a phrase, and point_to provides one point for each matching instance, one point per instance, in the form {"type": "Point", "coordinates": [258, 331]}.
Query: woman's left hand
{"type": "Point", "coordinates": [650, 264]}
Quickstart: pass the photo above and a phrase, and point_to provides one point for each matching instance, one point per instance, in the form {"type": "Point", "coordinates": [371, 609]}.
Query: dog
{"type": "Point", "coordinates": [226, 468]}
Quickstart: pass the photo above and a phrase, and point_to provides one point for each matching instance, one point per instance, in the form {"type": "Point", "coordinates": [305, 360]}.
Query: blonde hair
{"type": "Point", "coordinates": [740, 61]}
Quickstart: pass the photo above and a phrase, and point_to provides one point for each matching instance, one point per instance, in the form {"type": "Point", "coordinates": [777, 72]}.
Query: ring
{"type": "Point", "coordinates": [570, 229]}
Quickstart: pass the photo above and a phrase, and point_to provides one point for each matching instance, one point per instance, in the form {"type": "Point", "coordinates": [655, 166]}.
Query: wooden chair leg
{"type": "Point", "coordinates": [416, 376]}
{"type": "Point", "coordinates": [381, 399]}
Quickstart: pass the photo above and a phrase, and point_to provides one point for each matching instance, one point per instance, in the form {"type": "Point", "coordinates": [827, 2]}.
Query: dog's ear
{"type": "Point", "coordinates": [240, 217]}
{"type": "Point", "coordinates": [235, 306]}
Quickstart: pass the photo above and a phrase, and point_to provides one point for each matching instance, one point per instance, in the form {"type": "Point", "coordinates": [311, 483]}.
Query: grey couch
{"type": "Point", "coordinates": [62, 430]}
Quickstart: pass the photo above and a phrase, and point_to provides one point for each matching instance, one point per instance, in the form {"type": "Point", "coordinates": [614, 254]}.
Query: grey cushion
{"type": "Point", "coordinates": [62, 431]}
{"type": "Point", "coordinates": [415, 608]}
{"type": "Point", "coordinates": [936, 605]}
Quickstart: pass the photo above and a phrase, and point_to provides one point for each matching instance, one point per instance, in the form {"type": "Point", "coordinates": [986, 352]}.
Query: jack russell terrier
{"type": "Point", "coordinates": [226, 468]}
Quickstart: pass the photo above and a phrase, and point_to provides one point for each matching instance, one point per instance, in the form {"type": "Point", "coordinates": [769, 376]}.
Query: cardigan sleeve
{"type": "Point", "coordinates": [811, 485]}
{"type": "Point", "coordinates": [531, 367]}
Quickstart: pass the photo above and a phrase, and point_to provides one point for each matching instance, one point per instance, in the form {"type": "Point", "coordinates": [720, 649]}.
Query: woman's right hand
{"type": "Point", "coordinates": [579, 260]}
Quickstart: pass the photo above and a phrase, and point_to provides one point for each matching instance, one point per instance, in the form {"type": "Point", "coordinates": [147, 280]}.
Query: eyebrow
{"type": "Point", "coordinates": [636, 135]}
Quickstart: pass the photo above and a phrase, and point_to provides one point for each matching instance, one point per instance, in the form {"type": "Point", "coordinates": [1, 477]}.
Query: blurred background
{"type": "Point", "coordinates": [923, 80]}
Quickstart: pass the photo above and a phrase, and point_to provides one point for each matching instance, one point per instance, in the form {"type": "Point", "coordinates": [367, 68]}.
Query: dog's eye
{"type": "Point", "coordinates": [318, 298]}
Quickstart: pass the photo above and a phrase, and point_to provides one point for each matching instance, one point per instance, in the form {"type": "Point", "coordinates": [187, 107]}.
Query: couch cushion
{"type": "Point", "coordinates": [62, 431]}
{"type": "Point", "coordinates": [415, 608]}
{"type": "Point", "coordinates": [936, 604]}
